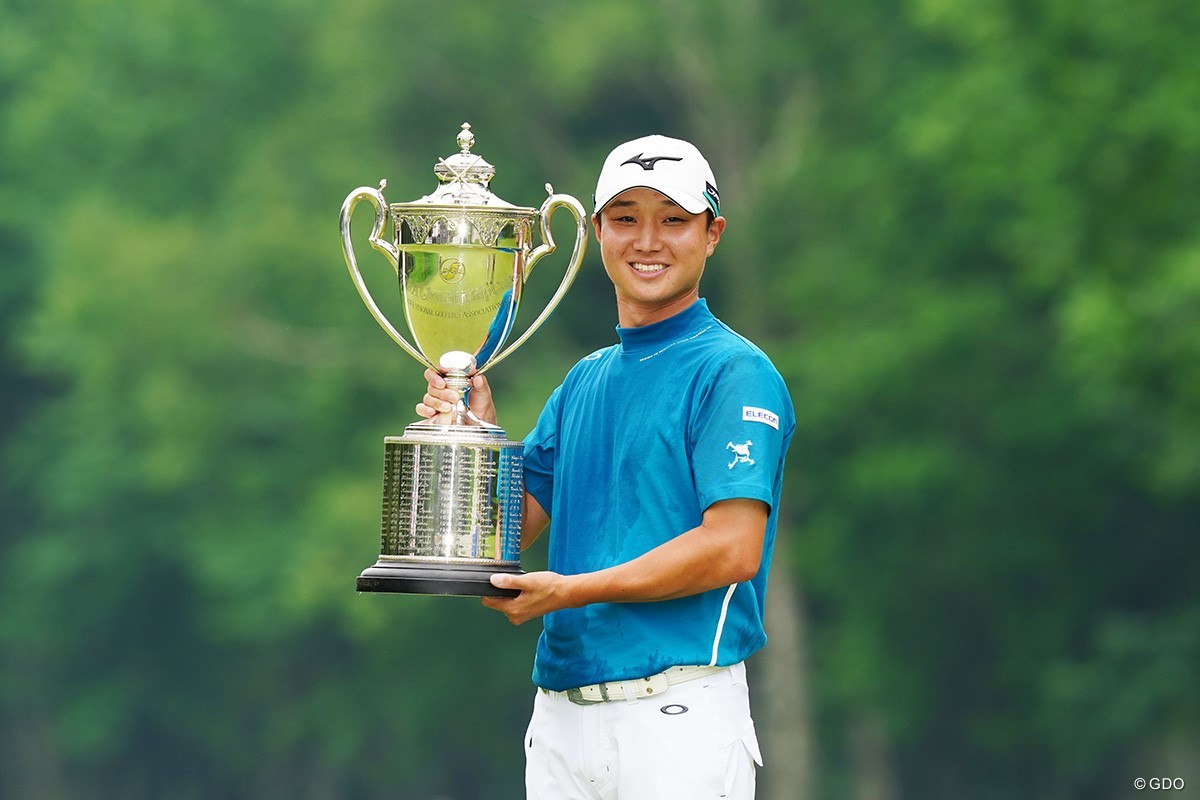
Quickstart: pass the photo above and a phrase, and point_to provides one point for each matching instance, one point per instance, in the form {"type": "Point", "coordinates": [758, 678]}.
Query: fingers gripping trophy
{"type": "Point", "coordinates": [453, 489]}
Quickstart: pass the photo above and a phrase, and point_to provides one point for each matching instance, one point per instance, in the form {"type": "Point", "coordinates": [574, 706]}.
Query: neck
{"type": "Point", "coordinates": [637, 315]}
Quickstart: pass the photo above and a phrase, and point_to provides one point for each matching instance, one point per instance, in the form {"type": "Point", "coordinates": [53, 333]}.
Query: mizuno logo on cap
{"type": "Point", "coordinates": [648, 163]}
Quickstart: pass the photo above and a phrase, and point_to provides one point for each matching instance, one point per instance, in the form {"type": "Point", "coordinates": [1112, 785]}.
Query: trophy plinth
{"type": "Point", "coordinates": [452, 488]}
{"type": "Point", "coordinates": [452, 497]}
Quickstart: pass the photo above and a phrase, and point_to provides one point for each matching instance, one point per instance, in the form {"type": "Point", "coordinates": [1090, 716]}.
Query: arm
{"type": "Point", "coordinates": [534, 520]}
{"type": "Point", "coordinates": [725, 548]}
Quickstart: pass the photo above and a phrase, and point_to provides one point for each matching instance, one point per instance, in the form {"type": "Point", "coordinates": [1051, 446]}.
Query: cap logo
{"type": "Point", "coordinates": [713, 197]}
{"type": "Point", "coordinates": [648, 163]}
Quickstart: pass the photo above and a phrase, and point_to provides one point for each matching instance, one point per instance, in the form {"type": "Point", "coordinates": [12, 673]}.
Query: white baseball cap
{"type": "Point", "coordinates": [671, 166]}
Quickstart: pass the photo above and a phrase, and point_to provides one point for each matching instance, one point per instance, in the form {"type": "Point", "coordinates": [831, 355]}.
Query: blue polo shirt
{"type": "Point", "coordinates": [629, 451]}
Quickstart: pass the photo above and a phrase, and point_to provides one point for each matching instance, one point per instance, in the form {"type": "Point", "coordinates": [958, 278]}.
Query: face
{"type": "Point", "coordinates": [654, 253]}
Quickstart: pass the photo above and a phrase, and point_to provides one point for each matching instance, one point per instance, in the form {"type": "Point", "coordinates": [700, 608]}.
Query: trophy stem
{"type": "Point", "coordinates": [454, 367]}
{"type": "Point", "coordinates": [460, 413]}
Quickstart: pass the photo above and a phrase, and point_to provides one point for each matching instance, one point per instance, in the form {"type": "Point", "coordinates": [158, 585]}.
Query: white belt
{"type": "Point", "coordinates": [636, 688]}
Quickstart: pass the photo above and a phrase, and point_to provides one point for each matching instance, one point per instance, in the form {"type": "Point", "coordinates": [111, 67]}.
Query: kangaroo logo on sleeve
{"type": "Point", "coordinates": [741, 453]}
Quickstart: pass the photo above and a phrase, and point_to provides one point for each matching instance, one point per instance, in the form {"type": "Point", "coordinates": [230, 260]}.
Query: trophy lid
{"type": "Point", "coordinates": [463, 178]}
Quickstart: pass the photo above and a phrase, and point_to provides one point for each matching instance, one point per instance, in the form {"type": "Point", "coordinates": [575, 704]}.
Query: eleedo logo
{"type": "Point", "coordinates": [752, 414]}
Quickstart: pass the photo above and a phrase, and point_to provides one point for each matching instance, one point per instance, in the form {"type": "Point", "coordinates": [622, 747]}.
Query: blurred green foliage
{"type": "Point", "coordinates": [966, 230]}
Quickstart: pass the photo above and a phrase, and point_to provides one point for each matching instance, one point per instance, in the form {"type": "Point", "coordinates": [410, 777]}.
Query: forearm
{"type": "Point", "coordinates": [725, 548]}
{"type": "Point", "coordinates": [534, 520]}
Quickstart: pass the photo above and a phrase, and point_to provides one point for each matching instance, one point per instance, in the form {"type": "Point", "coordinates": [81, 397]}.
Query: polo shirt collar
{"type": "Point", "coordinates": [671, 329]}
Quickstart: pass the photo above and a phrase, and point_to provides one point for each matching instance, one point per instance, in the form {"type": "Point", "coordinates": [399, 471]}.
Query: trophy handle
{"type": "Point", "coordinates": [382, 213]}
{"type": "Point", "coordinates": [552, 202]}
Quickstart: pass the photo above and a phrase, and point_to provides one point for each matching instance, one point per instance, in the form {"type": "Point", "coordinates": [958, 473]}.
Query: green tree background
{"type": "Point", "coordinates": [967, 231]}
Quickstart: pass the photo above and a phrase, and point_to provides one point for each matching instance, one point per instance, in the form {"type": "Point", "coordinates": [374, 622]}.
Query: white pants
{"type": "Point", "coordinates": [693, 742]}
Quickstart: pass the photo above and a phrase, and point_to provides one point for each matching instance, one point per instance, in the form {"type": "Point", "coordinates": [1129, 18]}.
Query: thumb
{"type": "Point", "coordinates": [480, 399]}
{"type": "Point", "coordinates": [503, 580]}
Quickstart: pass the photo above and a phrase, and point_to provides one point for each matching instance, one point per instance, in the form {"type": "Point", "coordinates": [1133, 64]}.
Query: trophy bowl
{"type": "Point", "coordinates": [452, 487]}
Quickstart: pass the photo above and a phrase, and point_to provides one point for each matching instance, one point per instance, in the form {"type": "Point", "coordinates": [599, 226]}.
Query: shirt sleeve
{"type": "Point", "coordinates": [541, 446]}
{"type": "Point", "coordinates": [741, 422]}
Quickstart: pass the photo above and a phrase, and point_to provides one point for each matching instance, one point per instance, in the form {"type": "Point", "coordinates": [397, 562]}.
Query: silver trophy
{"type": "Point", "coordinates": [452, 487]}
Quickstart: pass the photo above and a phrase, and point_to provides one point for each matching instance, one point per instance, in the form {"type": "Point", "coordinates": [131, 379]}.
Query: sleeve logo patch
{"type": "Point", "coordinates": [752, 414]}
{"type": "Point", "coordinates": [741, 453]}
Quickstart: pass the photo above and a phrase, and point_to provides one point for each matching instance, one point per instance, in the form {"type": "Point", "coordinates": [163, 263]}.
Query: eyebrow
{"type": "Point", "coordinates": [666, 201]}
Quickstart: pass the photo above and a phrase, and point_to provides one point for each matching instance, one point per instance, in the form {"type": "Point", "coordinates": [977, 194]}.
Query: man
{"type": "Point", "coordinates": [660, 461]}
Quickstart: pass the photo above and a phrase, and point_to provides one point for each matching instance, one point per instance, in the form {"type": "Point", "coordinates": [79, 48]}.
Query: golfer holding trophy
{"type": "Point", "coordinates": [657, 467]}
{"type": "Point", "coordinates": [453, 486]}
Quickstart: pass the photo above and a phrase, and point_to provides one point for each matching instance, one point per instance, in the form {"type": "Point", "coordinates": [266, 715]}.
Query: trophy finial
{"type": "Point", "coordinates": [466, 174]}
{"type": "Point", "coordinates": [466, 139]}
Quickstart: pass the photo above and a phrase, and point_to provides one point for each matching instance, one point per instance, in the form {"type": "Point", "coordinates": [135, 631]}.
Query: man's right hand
{"type": "Point", "coordinates": [440, 399]}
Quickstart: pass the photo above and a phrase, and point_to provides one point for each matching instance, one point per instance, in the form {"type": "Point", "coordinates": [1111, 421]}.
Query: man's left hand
{"type": "Point", "coordinates": [540, 593]}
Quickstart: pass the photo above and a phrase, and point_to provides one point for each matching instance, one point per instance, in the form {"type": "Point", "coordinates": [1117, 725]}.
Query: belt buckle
{"type": "Point", "coordinates": [576, 697]}
{"type": "Point", "coordinates": [656, 684]}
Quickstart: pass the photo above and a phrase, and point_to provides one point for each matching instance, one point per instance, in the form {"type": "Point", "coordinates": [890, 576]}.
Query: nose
{"type": "Point", "coordinates": [647, 237]}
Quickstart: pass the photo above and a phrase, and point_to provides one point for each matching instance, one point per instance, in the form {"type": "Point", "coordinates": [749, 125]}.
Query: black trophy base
{"type": "Point", "coordinates": [406, 577]}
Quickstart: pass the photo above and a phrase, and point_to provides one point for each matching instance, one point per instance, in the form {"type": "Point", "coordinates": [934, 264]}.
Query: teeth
{"type": "Point", "coordinates": [647, 267]}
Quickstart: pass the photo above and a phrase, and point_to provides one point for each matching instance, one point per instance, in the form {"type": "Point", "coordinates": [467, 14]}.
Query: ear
{"type": "Point", "coordinates": [596, 226]}
{"type": "Point", "coordinates": [714, 233]}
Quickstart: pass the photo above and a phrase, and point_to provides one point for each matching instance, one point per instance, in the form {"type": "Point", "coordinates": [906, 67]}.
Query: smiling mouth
{"type": "Point", "coordinates": [647, 268]}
